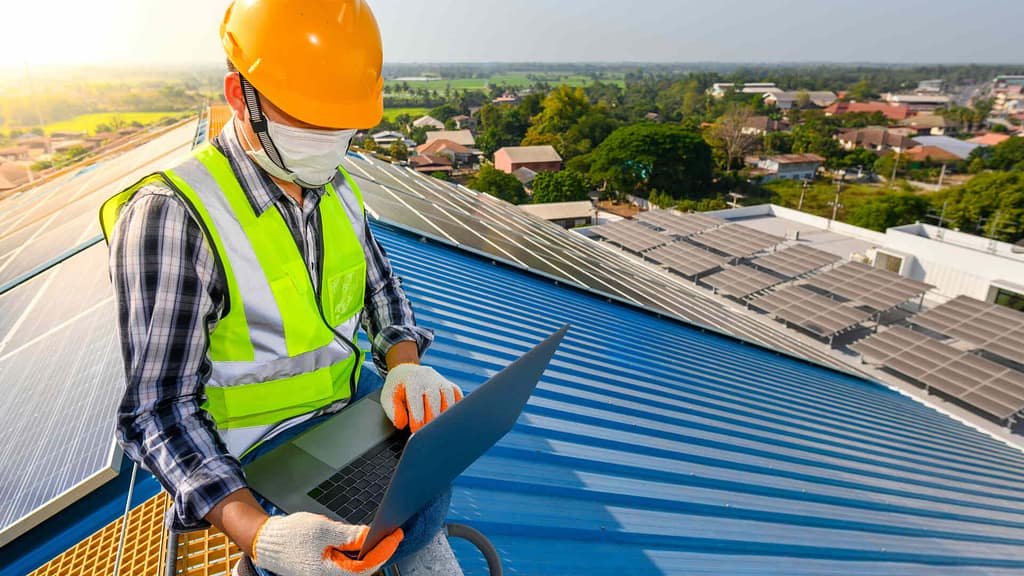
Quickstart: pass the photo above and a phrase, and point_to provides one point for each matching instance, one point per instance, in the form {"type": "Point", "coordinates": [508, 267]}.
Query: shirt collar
{"type": "Point", "coordinates": [257, 185]}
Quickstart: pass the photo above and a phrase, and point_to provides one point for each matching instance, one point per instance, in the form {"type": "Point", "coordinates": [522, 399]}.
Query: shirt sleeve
{"type": "Point", "coordinates": [388, 317]}
{"type": "Point", "coordinates": [168, 299]}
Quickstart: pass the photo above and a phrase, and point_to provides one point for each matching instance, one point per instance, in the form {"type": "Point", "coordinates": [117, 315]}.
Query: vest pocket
{"type": "Point", "coordinates": [344, 292]}
{"type": "Point", "coordinates": [270, 402]}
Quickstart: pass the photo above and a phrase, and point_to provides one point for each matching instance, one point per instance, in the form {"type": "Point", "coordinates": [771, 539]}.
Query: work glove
{"type": "Point", "coordinates": [413, 395]}
{"type": "Point", "coordinates": [305, 544]}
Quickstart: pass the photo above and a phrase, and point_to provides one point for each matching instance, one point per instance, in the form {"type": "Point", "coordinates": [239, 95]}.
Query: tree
{"type": "Point", "coordinates": [727, 135]}
{"type": "Point", "coordinates": [645, 157]}
{"type": "Point", "coordinates": [569, 122]}
{"type": "Point", "coordinates": [860, 92]}
{"type": "Point", "coordinates": [1007, 155]}
{"type": "Point", "coordinates": [398, 151]}
{"type": "Point", "coordinates": [564, 186]}
{"type": "Point", "coordinates": [369, 144]}
{"type": "Point", "coordinates": [990, 204]}
{"type": "Point", "coordinates": [890, 210]}
{"type": "Point", "coordinates": [499, 184]}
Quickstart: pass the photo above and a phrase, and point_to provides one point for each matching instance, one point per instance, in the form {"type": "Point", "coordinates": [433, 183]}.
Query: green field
{"type": "Point", "coordinates": [88, 122]}
{"type": "Point", "coordinates": [414, 113]}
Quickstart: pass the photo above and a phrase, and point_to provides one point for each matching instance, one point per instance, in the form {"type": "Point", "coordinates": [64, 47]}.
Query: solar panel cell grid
{"type": "Point", "coordinates": [795, 261]}
{"type": "Point", "coordinates": [995, 329]}
{"type": "Point", "coordinates": [982, 383]}
{"type": "Point", "coordinates": [685, 259]}
{"type": "Point", "coordinates": [737, 240]}
{"type": "Point", "coordinates": [740, 281]}
{"type": "Point", "coordinates": [867, 286]}
{"type": "Point", "coordinates": [631, 235]}
{"type": "Point", "coordinates": [679, 223]}
{"type": "Point", "coordinates": [811, 311]}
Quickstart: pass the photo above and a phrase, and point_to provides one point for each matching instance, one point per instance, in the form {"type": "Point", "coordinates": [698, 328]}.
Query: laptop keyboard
{"type": "Point", "coordinates": [355, 491]}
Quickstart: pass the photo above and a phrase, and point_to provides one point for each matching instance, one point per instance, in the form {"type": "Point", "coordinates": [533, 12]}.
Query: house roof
{"type": "Point", "coordinates": [891, 111]}
{"type": "Point", "coordinates": [438, 146]}
{"type": "Point", "coordinates": [928, 121]}
{"type": "Point", "coordinates": [427, 121]}
{"type": "Point", "coordinates": [961, 148]}
{"type": "Point", "coordinates": [763, 123]}
{"type": "Point", "coordinates": [424, 160]}
{"type": "Point", "coordinates": [463, 137]}
{"type": "Point", "coordinates": [921, 153]}
{"type": "Point", "coordinates": [990, 139]}
{"type": "Point", "coordinates": [530, 154]}
{"type": "Point", "coordinates": [524, 175]}
{"type": "Point", "coordinates": [560, 210]}
{"type": "Point", "coordinates": [818, 97]}
{"type": "Point", "coordinates": [794, 158]}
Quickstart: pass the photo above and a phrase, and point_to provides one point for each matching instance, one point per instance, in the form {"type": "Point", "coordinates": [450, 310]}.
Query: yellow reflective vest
{"type": "Point", "coordinates": [283, 347]}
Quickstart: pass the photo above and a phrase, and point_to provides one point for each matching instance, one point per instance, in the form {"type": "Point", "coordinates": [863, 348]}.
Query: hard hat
{"type": "Point", "coordinates": [318, 61]}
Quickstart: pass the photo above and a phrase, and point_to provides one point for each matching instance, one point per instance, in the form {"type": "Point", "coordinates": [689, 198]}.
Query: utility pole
{"type": "Point", "coordinates": [803, 191]}
{"type": "Point", "coordinates": [942, 216]}
{"type": "Point", "coordinates": [835, 203]}
{"type": "Point", "coordinates": [995, 225]}
{"type": "Point", "coordinates": [892, 181]}
{"type": "Point", "coordinates": [942, 175]}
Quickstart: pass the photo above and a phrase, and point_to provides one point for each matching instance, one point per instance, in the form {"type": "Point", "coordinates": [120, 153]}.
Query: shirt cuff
{"type": "Point", "coordinates": [392, 335]}
{"type": "Point", "coordinates": [202, 489]}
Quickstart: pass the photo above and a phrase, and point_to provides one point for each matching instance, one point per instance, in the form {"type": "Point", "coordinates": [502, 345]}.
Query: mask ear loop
{"type": "Point", "coordinates": [259, 123]}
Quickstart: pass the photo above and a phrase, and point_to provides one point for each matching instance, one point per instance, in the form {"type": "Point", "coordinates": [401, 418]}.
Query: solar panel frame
{"type": "Point", "coordinates": [740, 281]}
{"type": "Point", "coordinates": [867, 286]}
{"type": "Point", "coordinates": [631, 235]}
{"type": "Point", "coordinates": [686, 259]}
{"type": "Point", "coordinates": [795, 261]}
{"type": "Point", "coordinates": [982, 383]}
{"type": "Point", "coordinates": [813, 312]}
{"type": "Point", "coordinates": [996, 329]}
{"type": "Point", "coordinates": [680, 223]}
{"type": "Point", "coordinates": [736, 240]}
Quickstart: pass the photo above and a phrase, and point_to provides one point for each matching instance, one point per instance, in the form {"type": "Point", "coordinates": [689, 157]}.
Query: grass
{"type": "Point", "coordinates": [820, 193]}
{"type": "Point", "coordinates": [414, 113]}
{"type": "Point", "coordinates": [88, 122]}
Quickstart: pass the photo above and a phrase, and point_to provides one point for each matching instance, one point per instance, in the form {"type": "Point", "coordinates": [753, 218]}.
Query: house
{"type": "Point", "coordinates": [463, 137]}
{"type": "Point", "coordinates": [460, 155]}
{"type": "Point", "coordinates": [654, 117]}
{"type": "Point", "coordinates": [990, 139]}
{"type": "Point", "coordinates": [509, 98]}
{"type": "Point", "coordinates": [933, 153]}
{"type": "Point", "coordinates": [959, 148]}
{"type": "Point", "coordinates": [429, 163]}
{"type": "Point", "coordinates": [762, 125]}
{"type": "Point", "coordinates": [787, 100]}
{"type": "Point", "coordinates": [428, 122]}
{"type": "Point", "coordinates": [786, 166]}
{"type": "Point", "coordinates": [931, 125]}
{"type": "Point", "coordinates": [536, 158]}
{"type": "Point", "coordinates": [720, 89]}
{"type": "Point", "coordinates": [525, 177]}
{"type": "Point", "coordinates": [568, 215]}
{"type": "Point", "coordinates": [387, 138]}
{"type": "Point", "coordinates": [463, 122]}
{"type": "Point", "coordinates": [876, 139]}
{"type": "Point", "coordinates": [918, 102]}
{"type": "Point", "coordinates": [895, 112]}
{"type": "Point", "coordinates": [935, 86]}
{"type": "Point", "coordinates": [14, 153]}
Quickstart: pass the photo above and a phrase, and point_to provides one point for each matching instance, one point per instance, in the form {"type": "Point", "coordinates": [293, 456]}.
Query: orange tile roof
{"type": "Point", "coordinates": [990, 139]}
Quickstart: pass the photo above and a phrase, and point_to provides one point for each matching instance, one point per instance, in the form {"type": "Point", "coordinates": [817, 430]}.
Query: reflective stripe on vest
{"type": "Point", "coordinates": [273, 353]}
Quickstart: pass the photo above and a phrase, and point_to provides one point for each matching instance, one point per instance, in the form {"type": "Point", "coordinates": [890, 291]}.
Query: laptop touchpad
{"type": "Point", "coordinates": [348, 435]}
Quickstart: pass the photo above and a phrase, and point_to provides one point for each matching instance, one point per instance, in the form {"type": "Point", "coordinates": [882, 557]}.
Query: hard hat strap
{"type": "Point", "coordinates": [259, 122]}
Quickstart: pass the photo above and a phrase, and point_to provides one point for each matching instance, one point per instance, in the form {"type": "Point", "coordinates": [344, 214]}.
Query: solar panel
{"type": "Point", "coordinates": [990, 327]}
{"type": "Point", "coordinates": [736, 240]}
{"type": "Point", "coordinates": [680, 223]}
{"type": "Point", "coordinates": [686, 259]}
{"type": "Point", "coordinates": [864, 285]}
{"type": "Point", "coordinates": [815, 313]}
{"type": "Point", "coordinates": [795, 261]}
{"type": "Point", "coordinates": [631, 235]}
{"type": "Point", "coordinates": [740, 281]}
{"type": "Point", "coordinates": [986, 385]}
{"type": "Point", "coordinates": [62, 381]}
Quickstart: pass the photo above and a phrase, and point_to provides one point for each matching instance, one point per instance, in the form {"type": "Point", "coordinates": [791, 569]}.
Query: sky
{"type": "Point", "coordinates": [49, 32]}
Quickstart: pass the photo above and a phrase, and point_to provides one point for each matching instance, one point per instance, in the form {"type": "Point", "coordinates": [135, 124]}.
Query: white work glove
{"type": "Point", "coordinates": [413, 395]}
{"type": "Point", "coordinates": [305, 544]}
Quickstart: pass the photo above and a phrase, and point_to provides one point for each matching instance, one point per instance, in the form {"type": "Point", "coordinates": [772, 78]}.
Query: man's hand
{"type": "Point", "coordinates": [413, 395]}
{"type": "Point", "coordinates": [305, 544]}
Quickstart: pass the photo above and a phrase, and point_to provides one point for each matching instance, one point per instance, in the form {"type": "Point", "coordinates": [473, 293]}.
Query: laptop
{"type": "Point", "coordinates": [355, 467]}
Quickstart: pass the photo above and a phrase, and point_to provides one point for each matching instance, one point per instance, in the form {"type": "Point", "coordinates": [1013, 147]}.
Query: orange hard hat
{"type": "Point", "coordinates": [318, 61]}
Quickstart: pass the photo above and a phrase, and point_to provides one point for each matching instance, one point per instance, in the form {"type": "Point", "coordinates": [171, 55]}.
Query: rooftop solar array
{"type": "Point", "coordinates": [817, 314]}
{"type": "Point", "coordinates": [737, 240]}
{"type": "Point", "coordinates": [989, 386]}
{"type": "Point", "coordinates": [60, 363]}
{"type": "Point", "coordinates": [993, 328]}
{"type": "Point", "coordinates": [631, 235]}
{"type": "Point", "coordinates": [866, 286]}
{"type": "Point", "coordinates": [680, 223]}
{"type": "Point", "coordinates": [796, 260]}
{"type": "Point", "coordinates": [740, 281]}
{"type": "Point", "coordinates": [686, 259]}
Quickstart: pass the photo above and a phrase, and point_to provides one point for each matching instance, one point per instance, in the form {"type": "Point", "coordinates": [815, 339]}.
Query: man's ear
{"type": "Point", "coordinates": [233, 94]}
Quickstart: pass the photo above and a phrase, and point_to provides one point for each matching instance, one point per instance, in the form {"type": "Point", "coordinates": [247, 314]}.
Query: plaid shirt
{"type": "Point", "coordinates": [170, 296]}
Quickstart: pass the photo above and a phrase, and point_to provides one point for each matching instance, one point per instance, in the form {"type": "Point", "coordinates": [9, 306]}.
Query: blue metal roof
{"type": "Point", "coordinates": [655, 447]}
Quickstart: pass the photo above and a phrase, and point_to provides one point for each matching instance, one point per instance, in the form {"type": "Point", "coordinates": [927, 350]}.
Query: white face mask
{"type": "Point", "coordinates": [312, 156]}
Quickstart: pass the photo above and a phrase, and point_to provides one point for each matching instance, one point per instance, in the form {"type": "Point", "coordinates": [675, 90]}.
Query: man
{"type": "Point", "coordinates": [242, 276]}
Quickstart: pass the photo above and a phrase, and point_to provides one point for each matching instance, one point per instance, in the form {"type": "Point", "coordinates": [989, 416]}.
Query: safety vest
{"type": "Point", "coordinates": [283, 347]}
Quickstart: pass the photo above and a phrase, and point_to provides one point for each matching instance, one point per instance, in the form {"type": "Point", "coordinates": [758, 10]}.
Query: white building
{"type": "Point", "coordinates": [786, 166]}
{"type": "Point", "coordinates": [720, 89]}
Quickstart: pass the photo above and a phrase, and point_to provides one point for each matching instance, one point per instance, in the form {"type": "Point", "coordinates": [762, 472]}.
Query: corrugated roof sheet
{"type": "Point", "coordinates": [652, 447]}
